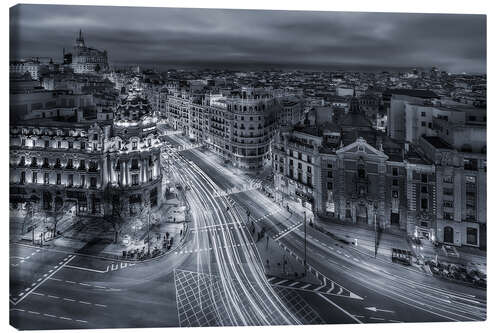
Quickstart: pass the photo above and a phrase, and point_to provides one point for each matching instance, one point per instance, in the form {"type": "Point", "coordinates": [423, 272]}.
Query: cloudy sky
{"type": "Point", "coordinates": [239, 38]}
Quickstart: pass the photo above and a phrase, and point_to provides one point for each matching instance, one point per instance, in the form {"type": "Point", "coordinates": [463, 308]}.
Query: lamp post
{"type": "Point", "coordinates": [305, 245]}
{"type": "Point", "coordinates": [375, 227]}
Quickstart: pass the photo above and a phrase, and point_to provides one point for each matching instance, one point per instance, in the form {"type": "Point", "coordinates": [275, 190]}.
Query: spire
{"type": "Point", "coordinates": [80, 35]}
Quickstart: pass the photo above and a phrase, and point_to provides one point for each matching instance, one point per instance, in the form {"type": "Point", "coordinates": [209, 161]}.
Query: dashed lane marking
{"type": "Point", "coordinates": [34, 286]}
{"type": "Point", "coordinates": [49, 315]}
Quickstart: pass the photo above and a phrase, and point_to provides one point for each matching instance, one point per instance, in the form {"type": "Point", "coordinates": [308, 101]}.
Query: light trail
{"type": "Point", "coordinates": [248, 298]}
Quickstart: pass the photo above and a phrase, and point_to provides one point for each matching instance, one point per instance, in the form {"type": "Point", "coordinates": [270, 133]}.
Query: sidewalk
{"type": "Point", "coordinates": [364, 239]}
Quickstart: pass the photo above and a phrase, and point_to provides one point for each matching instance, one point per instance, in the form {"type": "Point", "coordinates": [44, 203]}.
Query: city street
{"type": "Point", "coordinates": [217, 277]}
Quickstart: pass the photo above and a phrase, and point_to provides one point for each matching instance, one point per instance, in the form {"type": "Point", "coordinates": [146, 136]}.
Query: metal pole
{"type": "Point", "coordinates": [305, 245]}
{"type": "Point", "coordinates": [375, 238]}
{"type": "Point", "coordinates": [149, 237]}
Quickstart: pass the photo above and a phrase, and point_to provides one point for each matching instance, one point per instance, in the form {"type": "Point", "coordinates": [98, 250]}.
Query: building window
{"type": "Point", "coordinates": [330, 174]}
{"type": "Point", "coordinates": [423, 178]}
{"type": "Point", "coordinates": [472, 236]}
{"type": "Point", "coordinates": [309, 169]}
{"type": "Point", "coordinates": [58, 144]}
{"type": "Point", "coordinates": [46, 143]}
{"type": "Point", "coordinates": [300, 166]}
{"type": "Point", "coordinates": [22, 178]}
{"type": "Point", "coordinates": [424, 204]}
{"type": "Point", "coordinates": [93, 182]}
{"type": "Point", "coordinates": [423, 189]}
{"type": "Point", "coordinates": [448, 203]}
{"type": "Point", "coordinates": [448, 179]}
{"type": "Point", "coordinates": [82, 180]}
{"type": "Point", "coordinates": [422, 114]}
{"type": "Point", "coordinates": [329, 185]}
{"type": "Point", "coordinates": [134, 145]}
{"type": "Point", "coordinates": [58, 179]}
{"type": "Point", "coordinates": [448, 216]}
{"type": "Point", "coordinates": [70, 144]}
{"type": "Point", "coordinates": [70, 180]}
{"type": "Point", "coordinates": [135, 179]}
{"type": "Point", "coordinates": [69, 165]}
{"type": "Point", "coordinates": [46, 178]}
{"type": "Point", "coordinates": [395, 194]}
{"type": "Point", "coordinates": [361, 172]}
{"type": "Point", "coordinates": [82, 145]}
{"type": "Point", "coordinates": [395, 182]}
{"type": "Point", "coordinates": [22, 161]}
{"type": "Point", "coordinates": [35, 177]}
{"type": "Point", "coordinates": [395, 171]}
{"type": "Point", "coordinates": [135, 164]}
{"type": "Point", "coordinates": [33, 162]}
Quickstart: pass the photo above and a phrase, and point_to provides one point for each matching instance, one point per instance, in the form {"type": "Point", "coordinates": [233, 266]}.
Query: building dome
{"type": "Point", "coordinates": [134, 108]}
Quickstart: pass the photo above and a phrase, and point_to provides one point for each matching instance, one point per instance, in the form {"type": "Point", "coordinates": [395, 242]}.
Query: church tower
{"type": "Point", "coordinates": [79, 41]}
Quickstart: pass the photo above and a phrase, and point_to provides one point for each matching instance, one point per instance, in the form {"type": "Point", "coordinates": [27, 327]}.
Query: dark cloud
{"type": "Point", "coordinates": [238, 38]}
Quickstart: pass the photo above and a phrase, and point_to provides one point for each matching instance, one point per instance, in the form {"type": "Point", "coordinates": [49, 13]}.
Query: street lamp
{"type": "Point", "coordinates": [375, 227]}
{"type": "Point", "coordinates": [305, 245]}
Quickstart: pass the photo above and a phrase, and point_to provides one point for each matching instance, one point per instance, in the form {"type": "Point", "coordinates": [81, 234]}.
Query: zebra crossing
{"type": "Point", "coordinates": [328, 287]}
{"type": "Point", "coordinates": [236, 189]}
{"type": "Point", "coordinates": [328, 284]}
{"type": "Point", "coordinates": [286, 231]}
{"type": "Point", "coordinates": [206, 249]}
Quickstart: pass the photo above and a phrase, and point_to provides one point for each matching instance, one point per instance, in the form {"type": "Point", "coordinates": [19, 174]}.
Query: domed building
{"type": "Point", "coordinates": [133, 154]}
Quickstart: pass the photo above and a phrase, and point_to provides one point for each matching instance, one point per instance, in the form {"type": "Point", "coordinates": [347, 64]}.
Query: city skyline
{"type": "Point", "coordinates": [250, 39]}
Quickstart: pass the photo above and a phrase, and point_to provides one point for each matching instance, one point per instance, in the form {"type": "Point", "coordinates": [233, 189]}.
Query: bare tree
{"type": "Point", "coordinates": [115, 210]}
{"type": "Point", "coordinates": [57, 216]}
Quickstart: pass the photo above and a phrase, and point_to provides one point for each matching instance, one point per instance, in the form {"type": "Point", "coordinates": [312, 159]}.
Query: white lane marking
{"type": "Point", "coordinates": [71, 257]}
{"type": "Point", "coordinates": [69, 299]}
{"type": "Point", "coordinates": [88, 269]}
{"type": "Point", "coordinates": [341, 309]}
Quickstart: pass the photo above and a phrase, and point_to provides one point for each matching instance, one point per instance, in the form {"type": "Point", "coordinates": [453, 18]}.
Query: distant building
{"type": "Point", "coordinates": [396, 115]}
{"type": "Point", "coordinates": [32, 66]}
{"type": "Point", "coordinates": [85, 59]}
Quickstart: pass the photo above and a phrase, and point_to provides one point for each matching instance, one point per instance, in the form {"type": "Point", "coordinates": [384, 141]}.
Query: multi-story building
{"type": "Point", "coordinates": [396, 116]}
{"type": "Point", "coordinates": [32, 66]}
{"type": "Point", "coordinates": [460, 190]}
{"type": "Point", "coordinates": [242, 126]}
{"type": "Point", "coordinates": [291, 113]}
{"type": "Point", "coordinates": [353, 173]}
{"type": "Point", "coordinates": [237, 125]}
{"type": "Point", "coordinates": [68, 158]}
{"type": "Point", "coordinates": [87, 59]}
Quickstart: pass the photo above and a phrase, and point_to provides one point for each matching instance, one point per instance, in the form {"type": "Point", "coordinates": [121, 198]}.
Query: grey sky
{"type": "Point", "coordinates": [242, 38]}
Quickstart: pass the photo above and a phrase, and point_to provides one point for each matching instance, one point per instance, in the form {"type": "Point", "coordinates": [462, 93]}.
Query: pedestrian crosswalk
{"type": "Point", "coordinates": [327, 287]}
{"type": "Point", "coordinates": [211, 248]}
{"type": "Point", "coordinates": [326, 281]}
{"type": "Point", "coordinates": [286, 231]}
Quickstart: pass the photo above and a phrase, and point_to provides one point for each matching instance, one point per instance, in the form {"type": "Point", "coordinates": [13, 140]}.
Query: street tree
{"type": "Point", "coordinates": [115, 210]}
{"type": "Point", "coordinates": [57, 216]}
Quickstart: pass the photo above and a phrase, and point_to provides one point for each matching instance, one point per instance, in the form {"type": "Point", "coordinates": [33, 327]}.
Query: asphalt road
{"type": "Point", "coordinates": [389, 291]}
{"type": "Point", "coordinates": [216, 278]}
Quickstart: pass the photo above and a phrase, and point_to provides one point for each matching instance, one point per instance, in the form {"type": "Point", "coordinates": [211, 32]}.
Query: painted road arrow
{"type": "Point", "coordinates": [374, 309]}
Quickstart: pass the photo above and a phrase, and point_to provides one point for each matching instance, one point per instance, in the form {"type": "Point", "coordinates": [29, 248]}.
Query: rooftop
{"type": "Point", "coordinates": [437, 142]}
